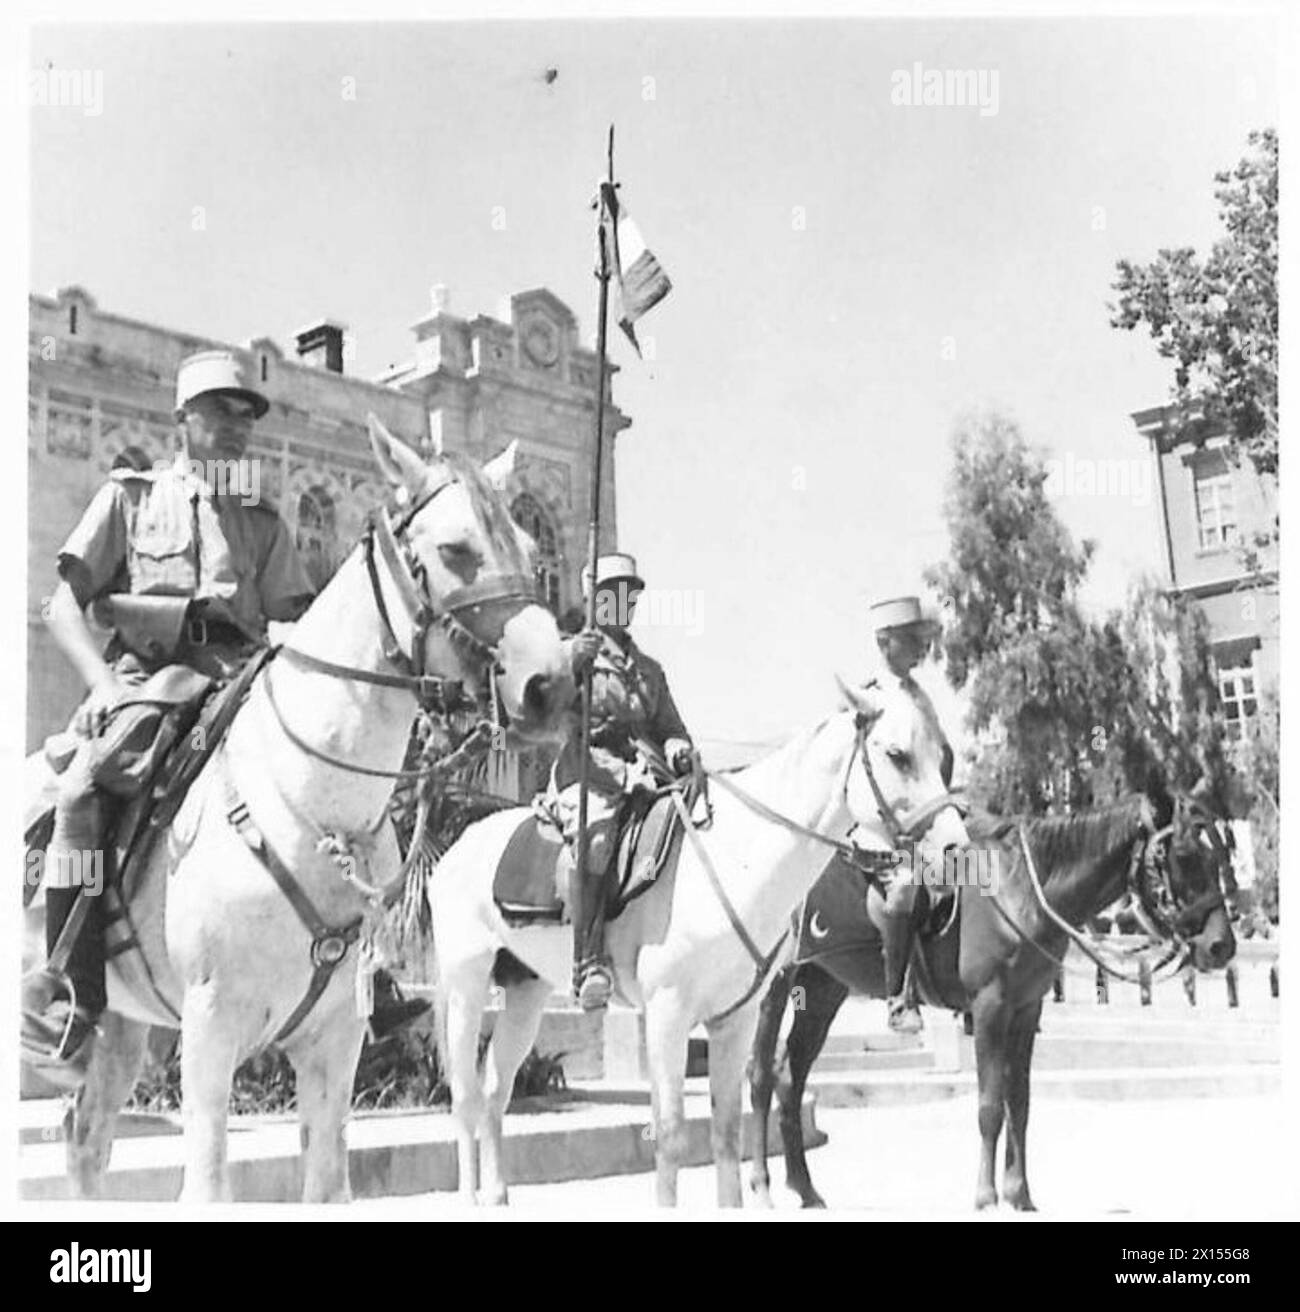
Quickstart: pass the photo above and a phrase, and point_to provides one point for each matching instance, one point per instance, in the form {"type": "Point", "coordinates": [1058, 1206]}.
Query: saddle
{"type": "Point", "coordinates": [526, 886]}
{"type": "Point", "coordinates": [204, 724]}
{"type": "Point", "coordinates": [152, 758]}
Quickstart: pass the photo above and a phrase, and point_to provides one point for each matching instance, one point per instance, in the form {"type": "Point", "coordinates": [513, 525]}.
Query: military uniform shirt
{"type": "Point", "coordinates": [630, 700]}
{"type": "Point", "coordinates": [137, 535]}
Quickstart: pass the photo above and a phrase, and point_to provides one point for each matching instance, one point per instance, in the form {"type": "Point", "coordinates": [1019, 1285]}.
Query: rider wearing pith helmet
{"type": "Point", "coordinates": [904, 634]}
{"type": "Point", "coordinates": [184, 574]}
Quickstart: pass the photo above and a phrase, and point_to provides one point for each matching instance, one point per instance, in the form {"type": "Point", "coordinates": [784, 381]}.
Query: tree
{"type": "Point", "coordinates": [1014, 635]}
{"type": "Point", "coordinates": [1162, 713]}
{"type": "Point", "coordinates": [1069, 712]}
{"type": "Point", "coordinates": [1260, 769]}
{"type": "Point", "coordinates": [1217, 319]}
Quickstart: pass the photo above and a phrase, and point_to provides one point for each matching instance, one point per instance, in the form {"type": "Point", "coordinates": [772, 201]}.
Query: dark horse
{"type": "Point", "coordinates": [994, 954]}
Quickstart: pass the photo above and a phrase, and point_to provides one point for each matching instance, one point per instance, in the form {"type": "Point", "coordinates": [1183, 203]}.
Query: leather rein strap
{"type": "Point", "coordinates": [1143, 847]}
{"type": "Point", "coordinates": [762, 964]}
{"type": "Point", "coordinates": [330, 944]}
{"type": "Point", "coordinates": [901, 834]}
{"type": "Point", "coordinates": [434, 693]}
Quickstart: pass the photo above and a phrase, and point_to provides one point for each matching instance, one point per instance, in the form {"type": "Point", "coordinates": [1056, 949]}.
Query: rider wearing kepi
{"type": "Point", "coordinates": [903, 636]}
{"type": "Point", "coordinates": [637, 739]}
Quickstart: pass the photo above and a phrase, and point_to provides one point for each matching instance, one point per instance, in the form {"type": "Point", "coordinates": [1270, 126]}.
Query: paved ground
{"type": "Point", "coordinates": [1171, 1159]}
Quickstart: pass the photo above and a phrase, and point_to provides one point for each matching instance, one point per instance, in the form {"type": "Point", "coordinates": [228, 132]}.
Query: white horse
{"type": "Point", "coordinates": [696, 947]}
{"type": "Point", "coordinates": [445, 590]}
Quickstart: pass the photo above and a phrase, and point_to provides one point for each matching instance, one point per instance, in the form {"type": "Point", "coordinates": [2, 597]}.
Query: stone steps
{"type": "Point", "coordinates": [895, 1088]}
{"type": "Point", "coordinates": [600, 1132]}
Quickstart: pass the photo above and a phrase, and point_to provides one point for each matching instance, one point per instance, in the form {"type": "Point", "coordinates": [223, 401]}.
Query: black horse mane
{"type": "Point", "coordinates": [1059, 840]}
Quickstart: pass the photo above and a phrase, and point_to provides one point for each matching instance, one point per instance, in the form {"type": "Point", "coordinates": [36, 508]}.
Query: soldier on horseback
{"type": "Point", "coordinates": [186, 564]}
{"type": "Point", "coordinates": [903, 636]}
{"type": "Point", "coordinates": [186, 571]}
{"type": "Point", "coordinates": [637, 739]}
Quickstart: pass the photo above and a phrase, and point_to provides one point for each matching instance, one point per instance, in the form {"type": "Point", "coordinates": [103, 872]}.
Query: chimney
{"type": "Point", "coordinates": [321, 345]}
{"type": "Point", "coordinates": [440, 298]}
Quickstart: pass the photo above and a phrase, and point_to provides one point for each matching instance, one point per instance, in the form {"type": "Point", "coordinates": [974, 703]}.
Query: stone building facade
{"type": "Point", "coordinates": [102, 388]}
{"type": "Point", "coordinates": [1218, 519]}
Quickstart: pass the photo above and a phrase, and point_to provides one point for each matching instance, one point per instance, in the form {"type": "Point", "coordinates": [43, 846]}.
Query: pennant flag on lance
{"type": "Point", "coordinates": [638, 276]}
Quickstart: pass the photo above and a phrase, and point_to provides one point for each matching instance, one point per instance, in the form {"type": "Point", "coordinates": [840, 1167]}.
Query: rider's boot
{"type": "Point", "coordinates": [61, 1008]}
{"type": "Point", "coordinates": [593, 978]}
{"type": "Point", "coordinates": [897, 936]}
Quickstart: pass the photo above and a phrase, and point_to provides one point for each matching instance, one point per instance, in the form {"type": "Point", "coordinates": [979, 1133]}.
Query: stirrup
{"type": "Point", "coordinates": [904, 1016]}
{"type": "Point", "coordinates": [593, 984]}
{"type": "Point", "coordinates": [50, 1049]}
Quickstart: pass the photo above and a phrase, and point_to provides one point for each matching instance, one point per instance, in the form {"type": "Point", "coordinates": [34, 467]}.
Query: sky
{"type": "Point", "coordinates": [851, 275]}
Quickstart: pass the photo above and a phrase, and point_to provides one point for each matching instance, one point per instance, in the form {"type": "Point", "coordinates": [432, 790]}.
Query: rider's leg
{"type": "Point", "coordinates": [893, 916]}
{"type": "Point", "coordinates": [593, 979]}
{"type": "Point", "coordinates": [74, 874]}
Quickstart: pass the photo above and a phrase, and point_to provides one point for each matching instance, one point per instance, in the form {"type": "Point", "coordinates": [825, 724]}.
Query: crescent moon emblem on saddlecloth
{"type": "Point", "coordinates": [813, 926]}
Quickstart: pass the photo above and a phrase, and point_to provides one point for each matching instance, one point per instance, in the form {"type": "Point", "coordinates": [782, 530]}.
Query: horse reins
{"type": "Point", "coordinates": [902, 833]}
{"type": "Point", "coordinates": [1157, 925]}
{"type": "Point", "coordinates": [434, 694]}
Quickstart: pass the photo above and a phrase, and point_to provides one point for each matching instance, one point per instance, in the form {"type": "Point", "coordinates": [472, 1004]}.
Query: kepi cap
{"type": "Point", "coordinates": [217, 371]}
{"type": "Point", "coordinates": [612, 568]}
{"type": "Point", "coordinates": [901, 613]}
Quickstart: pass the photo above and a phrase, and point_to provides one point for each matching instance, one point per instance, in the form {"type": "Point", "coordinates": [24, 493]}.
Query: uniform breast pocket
{"type": "Point", "coordinates": [162, 560]}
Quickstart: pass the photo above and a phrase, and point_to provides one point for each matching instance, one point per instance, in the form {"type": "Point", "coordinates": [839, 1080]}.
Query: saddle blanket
{"type": "Point", "coordinates": [526, 885]}
{"type": "Point", "coordinates": [833, 918]}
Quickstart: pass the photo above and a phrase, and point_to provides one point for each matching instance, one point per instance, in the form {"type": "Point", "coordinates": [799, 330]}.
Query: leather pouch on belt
{"type": "Point", "coordinates": [151, 627]}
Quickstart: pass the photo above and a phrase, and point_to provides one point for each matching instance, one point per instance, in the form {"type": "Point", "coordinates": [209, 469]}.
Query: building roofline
{"type": "Point", "coordinates": [285, 360]}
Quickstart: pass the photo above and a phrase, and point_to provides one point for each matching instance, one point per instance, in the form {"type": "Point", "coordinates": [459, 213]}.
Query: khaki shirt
{"type": "Point", "coordinates": [163, 532]}
{"type": "Point", "coordinates": [630, 701]}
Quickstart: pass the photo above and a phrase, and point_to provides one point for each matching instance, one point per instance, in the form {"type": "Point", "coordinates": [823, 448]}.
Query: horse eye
{"type": "Point", "coordinates": [897, 756]}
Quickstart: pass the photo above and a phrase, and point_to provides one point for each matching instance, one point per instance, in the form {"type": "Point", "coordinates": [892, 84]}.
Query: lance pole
{"type": "Point", "coordinates": [579, 894]}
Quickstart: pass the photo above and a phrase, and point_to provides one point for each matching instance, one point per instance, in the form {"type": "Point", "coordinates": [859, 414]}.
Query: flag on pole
{"type": "Point", "coordinates": [639, 279]}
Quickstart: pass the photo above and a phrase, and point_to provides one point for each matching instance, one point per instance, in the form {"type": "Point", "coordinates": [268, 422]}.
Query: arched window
{"type": "Point", "coordinates": [315, 534]}
{"type": "Point", "coordinates": [537, 524]}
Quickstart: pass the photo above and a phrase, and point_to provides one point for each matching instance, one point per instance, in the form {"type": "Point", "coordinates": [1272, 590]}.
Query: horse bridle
{"type": "Point", "coordinates": [435, 695]}
{"type": "Point", "coordinates": [1166, 920]}
{"type": "Point", "coordinates": [1156, 901]}
{"type": "Point", "coordinates": [903, 833]}
{"type": "Point", "coordinates": [385, 539]}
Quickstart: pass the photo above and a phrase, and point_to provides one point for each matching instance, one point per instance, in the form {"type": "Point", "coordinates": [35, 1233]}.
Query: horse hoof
{"type": "Point", "coordinates": [984, 1201]}
{"type": "Point", "coordinates": [1023, 1203]}
{"type": "Point", "coordinates": [494, 1197]}
{"type": "Point", "coordinates": [812, 1200]}
{"type": "Point", "coordinates": [762, 1195]}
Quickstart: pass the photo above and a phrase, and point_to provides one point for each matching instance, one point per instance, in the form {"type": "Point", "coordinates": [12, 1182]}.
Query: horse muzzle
{"type": "Point", "coordinates": [1215, 945]}
{"type": "Point", "coordinates": [535, 681]}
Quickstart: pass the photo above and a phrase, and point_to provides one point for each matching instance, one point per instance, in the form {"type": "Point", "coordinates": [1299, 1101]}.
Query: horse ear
{"type": "Point", "coordinates": [862, 701]}
{"type": "Point", "coordinates": [499, 469]}
{"type": "Point", "coordinates": [403, 469]}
